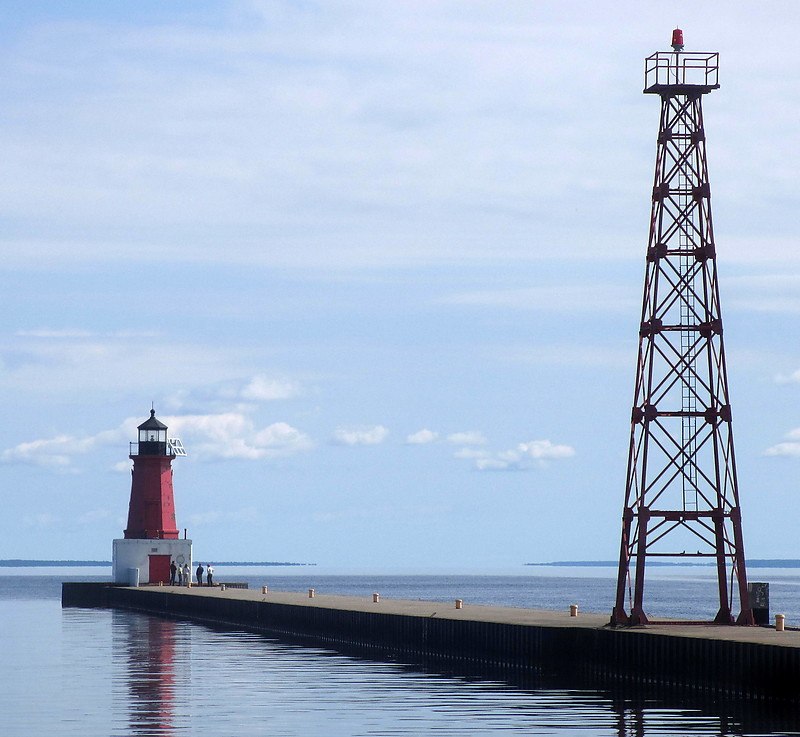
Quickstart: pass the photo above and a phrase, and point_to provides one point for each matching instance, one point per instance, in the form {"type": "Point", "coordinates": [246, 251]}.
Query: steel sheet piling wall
{"type": "Point", "coordinates": [590, 655]}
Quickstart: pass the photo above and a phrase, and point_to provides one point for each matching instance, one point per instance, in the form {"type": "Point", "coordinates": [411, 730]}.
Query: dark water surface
{"type": "Point", "coordinates": [101, 672]}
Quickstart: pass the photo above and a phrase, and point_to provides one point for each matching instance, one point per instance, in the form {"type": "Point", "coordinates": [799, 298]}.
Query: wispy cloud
{"type": "Point", "coordinates": [360, 435]}
{"type": "Point", "coordinates": [209, 437]}
{"type": "Point", "coordinates": [77, 333]}
{"type": "Point", "coordinates": [774, 292]}
{"type": "Point", "coordinates": [569, 354]}
{"type": "Point", "coordinates": [545, 450]}
{"type": "Point", "coordinates": [93, 516]}
{"type": "Point", "coordinates": [422, 437]}
{"type": "Point", "coordinates": [534, 453]}
{"type": "Point", "coordinates": [791, 378]}
{"type": "Point", "coordinates": [557, 298]}
{"type": "Point", "coordinates": [58, 452]}
{"type": "Point", "coordinates": [236, 393]}
{"type": "Point", "coordinates": [212, 517]}
{"type": "Point", "coordinates": [234, 435]}
{"type": "Point", "coordinates": [266, 389]}
{"type": "Point", "coordinates": [469, 437]}
{"type": "Point", "coordinates": [788, 448]}
{"type": "Point", "coordinates": [385, 512]}
{"type": "Point", "coordinates": [74, 361]}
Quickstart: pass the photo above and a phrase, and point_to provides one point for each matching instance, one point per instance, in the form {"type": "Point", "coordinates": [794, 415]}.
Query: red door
{"type": "Point", "coordinates": [159, 568]}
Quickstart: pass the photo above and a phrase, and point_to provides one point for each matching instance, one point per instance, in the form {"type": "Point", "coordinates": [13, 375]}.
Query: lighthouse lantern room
{"type": "Point", "coordinates": [151, 543]}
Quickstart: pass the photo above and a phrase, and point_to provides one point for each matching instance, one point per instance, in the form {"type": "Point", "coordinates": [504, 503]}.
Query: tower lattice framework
{"type": "Point", "coordinates": [681, 495]}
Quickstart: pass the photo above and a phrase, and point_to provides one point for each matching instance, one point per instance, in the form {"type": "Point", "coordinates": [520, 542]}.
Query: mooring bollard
{"type": "Point", "coordinates": [265, 589]}
{"type": "Point", "coordinates": [780, 622]}
{"type": "Point", "coordinates": [311, 593]}
{"type": "Point", "coordinates": [573, 610]}
{"type": "Point", "coordinates": [222, 587]}
{"type": "Point", "coordinates": [459, 603]}
{"type": "Point", "coordinates": [160, 583]}
{"type": "Point", "coordinates": [376, 598]}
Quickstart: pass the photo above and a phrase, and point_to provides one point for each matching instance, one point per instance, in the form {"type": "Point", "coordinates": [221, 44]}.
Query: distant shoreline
{"type": "Point", "coordinates": [755, 563]}
{"type": "Point", "coordinates": [22, 563]}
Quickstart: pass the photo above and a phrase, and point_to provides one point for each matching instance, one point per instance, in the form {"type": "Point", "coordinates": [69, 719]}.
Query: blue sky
{"type": "Point", "coordinates": [378, 265]}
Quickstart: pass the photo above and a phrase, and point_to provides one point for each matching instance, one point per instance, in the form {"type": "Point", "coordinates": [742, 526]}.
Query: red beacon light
{"type": "Point", "coordinates": [677, 40]}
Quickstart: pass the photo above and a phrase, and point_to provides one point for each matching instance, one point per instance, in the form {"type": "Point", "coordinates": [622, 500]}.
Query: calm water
{"type": "Point", "coordinates": [99, 672]}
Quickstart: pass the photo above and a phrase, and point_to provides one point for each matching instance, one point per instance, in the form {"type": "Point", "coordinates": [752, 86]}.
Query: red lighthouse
{"type": "Point", "coordinates": [151, 543]}
{"type": "Point", "coordinates": [151, 513]}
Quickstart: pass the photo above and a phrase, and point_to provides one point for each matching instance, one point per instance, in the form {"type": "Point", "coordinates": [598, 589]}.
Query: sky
{"type": "Point", "coordinates": [379, 267]}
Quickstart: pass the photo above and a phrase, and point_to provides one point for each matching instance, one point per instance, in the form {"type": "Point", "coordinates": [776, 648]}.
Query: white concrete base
{"type": "Point", "coordinates": [131, 555]}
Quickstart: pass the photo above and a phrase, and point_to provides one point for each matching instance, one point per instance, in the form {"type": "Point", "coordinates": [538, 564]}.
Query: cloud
{"type": "Point", "coordinates": [204, 518]}
{"type": "Point", "coordinates": [212, 517]}
{"type": "Point", "coordinates": [43, 520]}
{"type": "Point", "coordinates": [223, 436]}
{"type": "Point", "coordinates": [789, 448]}
{"type": "Point", "coordinates": [471, 453]}
{"type": "Point", "coordinates": [70, 334]}
{"type": "Point", "coordinates": [58, 452]}
{"type": "Point", "coordinates": [545, 450]}
{"type": "Point", "coordinates": [492, 464]}
{"type": "Point", "coordinates": [50, 452]}
{"type": "Point", "coordinates": [265, 389]}
{"type": "Point", "coordinates": [93, 516]}
{"type": "Point", "coordinates": [235, 393]}
{"type": "Point", "coordinates": [557, 298]}
{"type": "Point", "coordinates": [774, 292]}
{"type": "Point", "coordinates": [432, 139]}
{"type": "Point", "coordinates": [793, 378]}
{"type": "Point", "coordinates": [77, 361]}
{"type": "Point", "coordinates": [388, 512]}
{"type": "Point", "coordinates": [534, 453]}
{"type": "Point", "coordinates": [422, 437]}
{"type": "Point", "coordinates": [233, 435]}
{"type": "Point", "coordinates": [568, 354]}
{"type": "Point", "coordinates": [360, 436]}
{"type": "Point", "coordinates": [471, 437]}
{"type": "Point", "coordinates": [56, 334]}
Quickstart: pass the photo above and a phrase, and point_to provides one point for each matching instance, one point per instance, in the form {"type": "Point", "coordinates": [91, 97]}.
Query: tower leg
{"type": "Point", "coordinates": [746, 611]}
{"type": "Point", "coordinates": [724, 612]}
{"type": "Point", "coordinates": [618, 615]}
{"type": "Point", "coordinates": [637, 610]}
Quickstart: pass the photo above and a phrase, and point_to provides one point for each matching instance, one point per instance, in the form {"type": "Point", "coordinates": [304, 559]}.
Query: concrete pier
{"type": "Point", "coordinates": [749, 662]}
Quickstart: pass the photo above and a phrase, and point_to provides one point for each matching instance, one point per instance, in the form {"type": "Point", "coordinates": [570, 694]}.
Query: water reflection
{"type": "Point", "coordinates": [175, 677]}
{"type": "Point", "coordinates": [148, 646]}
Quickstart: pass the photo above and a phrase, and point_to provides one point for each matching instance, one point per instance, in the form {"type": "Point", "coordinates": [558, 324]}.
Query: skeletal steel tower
{"type": "Point", "coordinates": [681, 495]}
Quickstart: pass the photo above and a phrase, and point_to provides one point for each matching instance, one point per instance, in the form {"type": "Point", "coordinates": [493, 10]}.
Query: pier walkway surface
{"type": "Point", "coordinates": [751, 662]}
{"type": "Point", "coordinates": [494, 614]}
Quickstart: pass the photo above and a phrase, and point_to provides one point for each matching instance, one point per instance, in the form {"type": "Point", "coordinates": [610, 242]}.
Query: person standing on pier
{"type": "Point", "coordinates": [187, 576]}
{"type": "Point", "coordinates": [173, 569]}
{"type": "Point", "coordinates": [209, 575]}
{"type": "Point", "coordinates": [199, 574]}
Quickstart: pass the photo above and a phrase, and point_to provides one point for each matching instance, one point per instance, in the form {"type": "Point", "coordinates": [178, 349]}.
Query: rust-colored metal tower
{"type": "Point", "coordinates": [681, 495]}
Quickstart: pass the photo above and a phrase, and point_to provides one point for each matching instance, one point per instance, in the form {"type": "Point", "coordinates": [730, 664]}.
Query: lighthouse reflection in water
{"type": "Point", "coordinates": [153, 677]}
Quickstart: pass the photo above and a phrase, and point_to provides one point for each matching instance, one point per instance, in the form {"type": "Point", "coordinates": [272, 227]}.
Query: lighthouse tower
{"type": "Point", "coordinates": [682, 493]}
{"type": "Point", "coordinates": [151, 541]}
